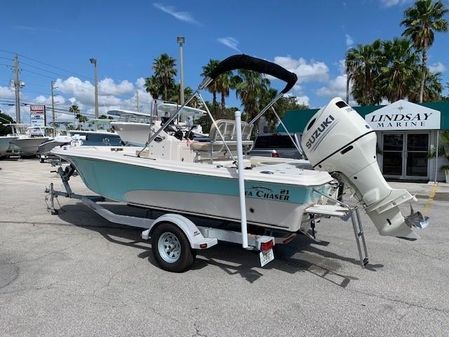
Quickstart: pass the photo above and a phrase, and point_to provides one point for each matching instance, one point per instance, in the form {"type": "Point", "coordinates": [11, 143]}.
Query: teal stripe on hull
{"type": "Point", "coordinates": [113, 180]}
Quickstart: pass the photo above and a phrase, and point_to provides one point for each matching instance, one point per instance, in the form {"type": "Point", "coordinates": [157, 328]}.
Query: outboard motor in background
{"type": "Point", "coordinates": [338, 140]}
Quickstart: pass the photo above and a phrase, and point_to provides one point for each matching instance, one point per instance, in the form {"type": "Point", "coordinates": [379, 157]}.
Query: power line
{"type": "Point", "coordinates": [35, 73]}
{"type": "Point", "coordinates": [43, 69]}
{"type": "Point", "coordinates": [47, 64]}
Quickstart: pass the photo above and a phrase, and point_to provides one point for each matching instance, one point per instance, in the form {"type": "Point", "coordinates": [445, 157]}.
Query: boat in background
{"type": "Point", "coordinates": [29, 138]}
{"type": "Point", "coordinates": [6, 148]}
{"type": "Point", "coordinates": [134, 127]}
{"type": "Point", "coordinates": [95, 132]}
{"type": "Point", "coordinates": [95, 138]}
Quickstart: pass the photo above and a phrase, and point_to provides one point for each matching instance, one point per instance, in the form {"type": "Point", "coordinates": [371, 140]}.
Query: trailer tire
{"type": "Point", "coordinates": [171, 248]}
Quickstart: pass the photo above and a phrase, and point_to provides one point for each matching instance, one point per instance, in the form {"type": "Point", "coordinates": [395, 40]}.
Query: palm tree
{"type": "Point", "coordinates": [250, 87]}
{"type": "Point", "coordinates": [77, 113]}
{"type": "Point", "coordinates": [173, 95]}
{"type": "Point", "coordinates": [398, 72]}
{"type": "Point", "coordinates": [153, 87]}
{"type": "Point", "coordinates": [421, 21]}
{"type": "Point", "coordinates": [363, 65]}
{"type": "Point", "coordinates": [433, 89]}
{"type": "Point", "coordinates": [164, 71]}
{"type": "Point", "coordinates": [213, 88]}
{"type": "Point", "coordinates": [223, 84]}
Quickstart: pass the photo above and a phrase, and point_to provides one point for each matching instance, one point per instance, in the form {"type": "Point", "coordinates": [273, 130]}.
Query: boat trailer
{"type": "Point", "coordinates": [175, 238]}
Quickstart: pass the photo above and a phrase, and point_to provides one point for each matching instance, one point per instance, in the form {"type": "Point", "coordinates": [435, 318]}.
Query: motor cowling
{"type": "Point", "coordinates": [338, 140]}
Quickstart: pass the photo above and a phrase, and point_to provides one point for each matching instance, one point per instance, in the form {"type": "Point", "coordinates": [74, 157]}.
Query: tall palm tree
{"type": "Point", "coordinates": [421, 21]}
{"type": "Point", "coordinates": [363, 64]}
{"type": "Point", "coordinates": [153, 87]}
{"type": "Point", "coordinates": [224, 85]}
{"type": "Point", "coordinates": [399, 69]}
{"type": "Point", "coordinates": [250, 87]}
{"type": "Point", "coordinates": [213, 87]}
{"type": "Point", "coordinates": [164, 68]}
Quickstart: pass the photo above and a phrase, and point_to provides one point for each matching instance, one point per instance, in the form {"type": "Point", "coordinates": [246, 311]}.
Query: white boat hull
{"type": "Point", "coordinates": [5, 145]}
{"type": "Point", "coordinates": [135, 134]}
{"type": "Point", "coordinates": [29, 146]}
{"type": "Point", "coordinates": [274, 200]}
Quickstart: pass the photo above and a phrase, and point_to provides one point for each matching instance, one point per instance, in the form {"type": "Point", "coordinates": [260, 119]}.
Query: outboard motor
{"type": "Point", "coordinates": [338, 140]}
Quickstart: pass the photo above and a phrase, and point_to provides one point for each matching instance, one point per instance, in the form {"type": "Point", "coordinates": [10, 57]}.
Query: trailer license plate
{"type": "Point", "coordinates": [266, 257]}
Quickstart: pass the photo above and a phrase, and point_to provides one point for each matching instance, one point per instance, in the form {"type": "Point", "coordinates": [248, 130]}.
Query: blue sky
{"type": "Point", "coordinates": [55, 39]}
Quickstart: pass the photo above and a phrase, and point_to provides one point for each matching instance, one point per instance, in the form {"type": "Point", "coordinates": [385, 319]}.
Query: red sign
{"type": "Point", "coordinates": [37, 109]}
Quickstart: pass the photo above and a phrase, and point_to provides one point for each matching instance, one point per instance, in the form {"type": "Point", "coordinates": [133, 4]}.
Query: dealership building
{"type": "Point", "coordinates": [407, 135]}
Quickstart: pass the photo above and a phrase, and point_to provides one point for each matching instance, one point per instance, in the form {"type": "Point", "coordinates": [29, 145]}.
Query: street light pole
{"type": "Point", "coordinates": [181, 40]}
{"type": "Point", "coordinates": [94, 62]}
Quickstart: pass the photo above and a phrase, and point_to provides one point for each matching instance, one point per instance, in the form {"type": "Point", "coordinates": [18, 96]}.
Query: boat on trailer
{"type": "Point", "coordinates": [213, 179]}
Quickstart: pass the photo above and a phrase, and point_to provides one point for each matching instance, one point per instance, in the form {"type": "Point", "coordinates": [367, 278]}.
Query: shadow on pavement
{"type": "Point", "coordinates": [300, 255]}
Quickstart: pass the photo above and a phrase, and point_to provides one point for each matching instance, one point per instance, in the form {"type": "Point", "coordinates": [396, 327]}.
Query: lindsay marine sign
{"type": "Point", "coordinates": [403, 115]}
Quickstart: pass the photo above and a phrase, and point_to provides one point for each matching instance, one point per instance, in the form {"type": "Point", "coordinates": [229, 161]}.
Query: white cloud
{"type": "Point", "coordinates": [229, 42]}
{"type": "Point", "coordinates": [109, 87]}
{"type": "Point", "coordinates": [391, 3]}
{"type": "Point", "coordinates": [82, 91]}
{"type": "Point", "coordinates": [304, 100]}
{"type": "Point", "coordinates": [312, 71]}
{"type": "Point", "coordinates": [171, 10]}
{"type": "Point", "coordinates": [437, 68]}
{"type": "Point", "coordinates": [140, 83]}
{"type": "Point", "coordinates": [58, 99]}
{"type": "Point", "coordinates": [342, 66]}
{"type": "Point", "coordinates": [349, 40]}
{"type": "Point", "coordinates": [335, 87]}
{"type": "Point", "coordinates": [6, 92]}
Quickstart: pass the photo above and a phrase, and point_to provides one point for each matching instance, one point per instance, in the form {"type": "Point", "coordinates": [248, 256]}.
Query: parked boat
{"type": "Point", "coordinates": [205, 179]}
{"type": "Point", "coordinates": [6, 148]}
{"type": "Point", "coordinates": [95, 138]}
{"type": "Point", "coordinates": [134, 127]}
{"type": "Point", "coordinates": [29, 138]}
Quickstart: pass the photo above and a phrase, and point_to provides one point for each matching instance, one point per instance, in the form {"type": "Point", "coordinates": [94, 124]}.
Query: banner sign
{"type": "Point", "coordinates": [37, 114]}
{"type": "Point", "coordinates": [403, 115]}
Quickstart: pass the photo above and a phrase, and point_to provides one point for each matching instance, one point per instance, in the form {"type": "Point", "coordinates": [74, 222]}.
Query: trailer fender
{"type": "Point", "coordinates": [193, 234]}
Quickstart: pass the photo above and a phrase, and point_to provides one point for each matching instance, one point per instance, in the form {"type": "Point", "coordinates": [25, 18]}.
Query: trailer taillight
{"type": "Point", "coordinates": [274, 153]}
{"type": "Point", "coordinates": [265, 246]}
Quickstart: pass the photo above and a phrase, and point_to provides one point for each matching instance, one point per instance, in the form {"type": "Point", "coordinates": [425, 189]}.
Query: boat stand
{"type": "Point", "coordinates": [343, 212]}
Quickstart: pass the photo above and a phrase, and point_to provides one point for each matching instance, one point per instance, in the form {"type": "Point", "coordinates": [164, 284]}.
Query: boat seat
{"type": "Point", "coordinates": [216, 145]}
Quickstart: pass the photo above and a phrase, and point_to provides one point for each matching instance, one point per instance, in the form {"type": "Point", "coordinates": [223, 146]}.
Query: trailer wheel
{"type": "Point", "coordinates": [171, 248]}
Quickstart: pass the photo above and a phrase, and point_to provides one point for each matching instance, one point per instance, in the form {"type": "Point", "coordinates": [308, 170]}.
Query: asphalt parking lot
{"type": "Point", "coordinates": [76, 274]}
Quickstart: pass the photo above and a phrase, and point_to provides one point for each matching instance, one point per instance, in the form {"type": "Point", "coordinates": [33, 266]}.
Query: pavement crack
{"type": "Point", "coordinates": [58, 251]}
{"type": "Point", "coordinates": [419, 252]}
{"type": "Point", "coordinates": [410, 304]}
{"type": "Point", "coordinates": [107, 284]}
{"type": "Point", "coordinates": [197, 331]}
{"type": "Point", "coordinates": [23, 290]}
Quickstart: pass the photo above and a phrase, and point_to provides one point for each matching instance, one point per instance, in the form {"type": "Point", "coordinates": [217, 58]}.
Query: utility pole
{"type": "Point", "coordinates": [94, 62]}
{"type": "Point", "coordinates": [181, 40]}
{"type": "Point", "coordinates": [53, 103]}
{"type": "Point", "coordinates": [17, 87]}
